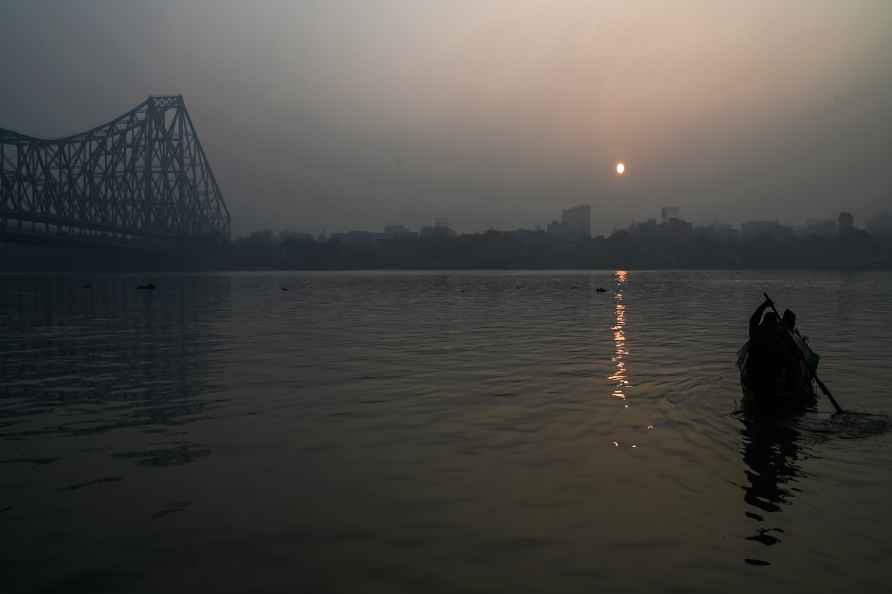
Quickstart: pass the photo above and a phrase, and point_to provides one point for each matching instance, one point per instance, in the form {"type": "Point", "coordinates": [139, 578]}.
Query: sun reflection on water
{"type": "Point", "coordinates": [619, 376]}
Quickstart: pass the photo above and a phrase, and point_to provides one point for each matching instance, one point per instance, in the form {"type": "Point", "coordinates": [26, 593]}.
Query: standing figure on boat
{"type": "Point", "coordinates": [765, 361]}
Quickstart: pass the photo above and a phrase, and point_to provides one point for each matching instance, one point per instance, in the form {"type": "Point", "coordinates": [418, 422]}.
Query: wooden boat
{"type": "Point", "coordinates": [779, 382]}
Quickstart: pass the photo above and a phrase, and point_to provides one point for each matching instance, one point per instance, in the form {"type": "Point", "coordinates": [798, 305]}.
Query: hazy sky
{"type": "Point", "coordinates": [339, 114]}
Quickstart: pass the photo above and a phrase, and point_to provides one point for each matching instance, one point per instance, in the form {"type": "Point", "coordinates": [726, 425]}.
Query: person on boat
{"type": "Point", "coordinates": [773, 350]}
{"type": "Point", "coordinates": [792, 338]}
{"type": "Point", "coordinates": [798, 341]}
{"type": "Point", "coordinates": [767, 348]}
{"type": "Point", "coordinates": [763, 328]}
{"type": "Point", "coordinates": [789, 321]}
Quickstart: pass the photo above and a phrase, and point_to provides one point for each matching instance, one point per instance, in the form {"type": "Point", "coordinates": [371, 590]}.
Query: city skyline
{"type": "Point", "coordinates": [803, 225]}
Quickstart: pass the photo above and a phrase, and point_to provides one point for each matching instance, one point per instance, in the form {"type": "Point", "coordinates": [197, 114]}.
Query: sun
{"type": "Point", "coordinates": [620, 168]}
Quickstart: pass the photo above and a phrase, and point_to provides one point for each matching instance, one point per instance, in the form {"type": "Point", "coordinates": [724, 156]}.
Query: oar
{"type": "Point", "coordinates": [814, 376]}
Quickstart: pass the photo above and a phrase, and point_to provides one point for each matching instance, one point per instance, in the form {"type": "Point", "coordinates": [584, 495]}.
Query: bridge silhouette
{"type": "Point", "coordinates": [142, 179]}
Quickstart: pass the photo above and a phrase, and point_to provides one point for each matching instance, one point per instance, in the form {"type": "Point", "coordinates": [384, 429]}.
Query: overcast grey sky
{"type": "Point", "coordinates": [341, 114]}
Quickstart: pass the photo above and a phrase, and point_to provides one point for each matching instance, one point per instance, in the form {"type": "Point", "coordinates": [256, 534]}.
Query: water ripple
{"type": "Point", "coordinates": [450, 431]}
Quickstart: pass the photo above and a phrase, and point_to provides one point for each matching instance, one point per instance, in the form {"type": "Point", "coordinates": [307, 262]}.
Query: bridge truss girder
{"type": "Point", "coordinates": [143, 176]}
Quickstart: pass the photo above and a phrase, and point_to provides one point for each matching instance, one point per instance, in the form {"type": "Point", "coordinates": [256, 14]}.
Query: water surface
{"type": "Point", "coordinates": [435, 432]}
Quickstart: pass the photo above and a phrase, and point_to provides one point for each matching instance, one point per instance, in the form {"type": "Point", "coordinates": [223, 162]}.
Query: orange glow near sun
{"type": "Point", "coordinates": [620, 168]}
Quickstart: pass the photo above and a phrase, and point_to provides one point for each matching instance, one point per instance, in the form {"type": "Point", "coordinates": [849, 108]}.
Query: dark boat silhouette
{"type": "Point", "coordinates": [780, 382]}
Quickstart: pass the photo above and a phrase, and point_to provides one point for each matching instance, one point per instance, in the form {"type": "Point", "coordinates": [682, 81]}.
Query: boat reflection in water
{"type": "Point", "coordinates": [619, 375]}
{"type": "Point", "coordinates": [771, 452]}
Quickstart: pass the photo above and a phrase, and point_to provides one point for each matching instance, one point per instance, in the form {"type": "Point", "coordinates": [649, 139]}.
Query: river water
{"type": "Point", "coordinates": [436, 432]}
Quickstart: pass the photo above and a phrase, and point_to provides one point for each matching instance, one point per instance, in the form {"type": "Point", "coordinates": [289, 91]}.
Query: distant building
{"type": "Point", "coordinates": [669, 229]}
{"type": "Point", "coordinates": [818, 228]}
{"type": "Point", "coordinates": [720, 232]}
{"type": "Point", "coordinates": [358, 238]}
{"type": "Point", "coordinates": [440, 230]}
{"type": "Point", "coordinates": [881, 224]}
{"type": "Point", "coordinates": [578, 220]}
{"type": "Point", "coordinates": [576, 223]}
{"type": "Point", "coordinates": [399, 232]}
{"type": "Point", "coordinates": [526, 235]}
{"type": "Point", "coordinates": [846, 223]}
{"type": "Point", "coordinates": [675, 228]}
{"type": "Point", "coordinates": [770, 229]}
{"type": "Point", "coordinates": [670, 212]}
{"type": "Point", "coordinates": [645, 230]}
{"type": "Point", "coordinates": [296, 237]}
{"type": "Point", "coordinates": [557, 228]}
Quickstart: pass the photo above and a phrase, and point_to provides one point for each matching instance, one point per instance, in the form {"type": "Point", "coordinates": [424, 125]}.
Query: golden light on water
{"type": "Point", "coordinates": [620, 168]}
{"type": "Point", "coordinates": [619, 375]}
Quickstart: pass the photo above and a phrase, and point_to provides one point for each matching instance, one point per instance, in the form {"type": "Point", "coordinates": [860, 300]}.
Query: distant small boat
{"type": "Point", "coordinates": [778, 381]}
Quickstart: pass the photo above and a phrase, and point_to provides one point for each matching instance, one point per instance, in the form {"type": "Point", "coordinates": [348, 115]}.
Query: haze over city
{"type": "Point", "coordinates": [338, 115]}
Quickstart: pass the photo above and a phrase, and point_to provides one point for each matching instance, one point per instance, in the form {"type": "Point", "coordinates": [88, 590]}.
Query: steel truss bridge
{"type": "Point", "coordinates": [142, 178]}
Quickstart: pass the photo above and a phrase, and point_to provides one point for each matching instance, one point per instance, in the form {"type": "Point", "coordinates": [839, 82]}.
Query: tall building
{"type": "Point", "coordinates": [670, 212]}
{"type": "Point", "coordinates": [577, 221]}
